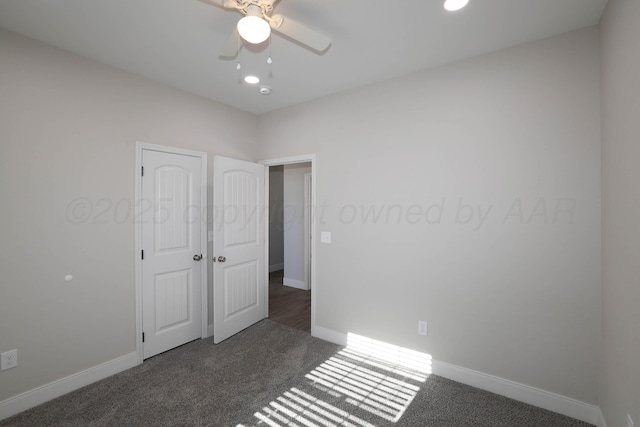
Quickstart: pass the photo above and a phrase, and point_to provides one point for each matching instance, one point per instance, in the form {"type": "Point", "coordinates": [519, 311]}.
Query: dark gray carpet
{"type": "Point", "coordinates": [273, 375]}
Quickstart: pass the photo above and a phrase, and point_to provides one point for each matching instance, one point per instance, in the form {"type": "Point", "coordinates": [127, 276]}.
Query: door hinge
{"type": "Point", "coordinates": [142, 171]}
{"type": "Point", "coordinates": [142, 254]}
{"type": "Point", "coordinates": [143, 337]}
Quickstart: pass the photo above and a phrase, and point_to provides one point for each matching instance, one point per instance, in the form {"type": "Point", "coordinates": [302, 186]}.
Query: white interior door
{"type": "Point", "coordinates": [172, 273]}
{"type": "Point", "coordinates": [238, 246]}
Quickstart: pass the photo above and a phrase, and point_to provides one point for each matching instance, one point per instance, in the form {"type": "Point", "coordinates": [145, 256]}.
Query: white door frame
{"type": "Point", "coordinates": [304, 158]}
{"type": "Point", "coordinates": [138, 209]}
{"type": "Point", "coordinates": [308, 212]}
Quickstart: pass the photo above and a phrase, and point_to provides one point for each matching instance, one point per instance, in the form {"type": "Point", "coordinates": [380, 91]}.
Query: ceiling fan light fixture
{"type": "Point", "coordinates": [453, 5]}
{"type": "Point", "coordinates": [254, 29]}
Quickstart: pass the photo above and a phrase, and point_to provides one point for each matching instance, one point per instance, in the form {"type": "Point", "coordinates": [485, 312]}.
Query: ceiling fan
{"type": "Point", "coordinates": [258, 22]}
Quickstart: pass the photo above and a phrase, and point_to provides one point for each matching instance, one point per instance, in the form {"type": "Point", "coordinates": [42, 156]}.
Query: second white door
{"type": "Point", "coordinates": [238, 247]}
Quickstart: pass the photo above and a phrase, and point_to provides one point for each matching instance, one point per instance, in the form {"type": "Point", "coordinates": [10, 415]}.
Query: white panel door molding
{"type": "Point", "coordinates": [238, 246]}
{"type": "Point", "coordinates": [170, 204]}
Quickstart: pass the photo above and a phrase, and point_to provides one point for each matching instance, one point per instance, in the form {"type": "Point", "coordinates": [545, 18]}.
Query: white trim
{"type": "Point", "coordinates": [307, 230]}
{"type": "Point", "coordinates": [210, 330]}
{"type": "Point", "coordinates": [42, 394]}
{"type": "Point", "coordinates": [511, 389]}
{"type": "Point", "coordinates": [521, 392]}
{"type": "Point", "coordinates": [601, 421]}
{"type": "Point", "coordinates": [298, 284]}
{"type": "Point", "coordinates": [276, 267]}
{"type": "Point", "coordinates": [204, 241]}
{"type": "Point", "coordinates": [267, 224]}
{"type": "Point", "coordinates": [305, 158]}
{"type": "Point", "coordinates": [137, 251]}
{"type": "Point", "coordinates": [329, 335]}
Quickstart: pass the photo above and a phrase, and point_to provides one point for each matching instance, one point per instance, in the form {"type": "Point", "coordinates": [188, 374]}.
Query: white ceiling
{"type": "Point", "coordinates": [177, 41]}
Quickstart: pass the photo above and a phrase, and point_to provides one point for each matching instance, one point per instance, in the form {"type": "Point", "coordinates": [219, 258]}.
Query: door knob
{"type": "Point", "coordinates": [197, 257]}
{"type": "Point", "coordinates": [222, 259]}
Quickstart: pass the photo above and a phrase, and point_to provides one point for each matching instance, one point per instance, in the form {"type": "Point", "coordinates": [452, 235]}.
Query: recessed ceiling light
{"type": "Point", "coordinates": [453, 5]}
{"type": "Point", "coordinates": [252, 80]}
{"type": "Point", "coordinates": [265, 90]}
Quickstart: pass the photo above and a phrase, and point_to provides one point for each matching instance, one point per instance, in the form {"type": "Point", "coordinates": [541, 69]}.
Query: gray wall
{"type": "Point", "coordinates": [294, 221]}
{"type": "Point", "coordinates": [276, 218]}
{"type": "Point", "coordinates": [68, 128]}
{"type": "Point", "coordinates": [485, 175]}
{"type": "Point", "coordinates": [620, 389]}
{"type": "Point", "coordinates": [483, 179]}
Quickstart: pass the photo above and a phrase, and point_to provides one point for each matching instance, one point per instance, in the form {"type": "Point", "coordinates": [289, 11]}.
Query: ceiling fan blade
{"type": "Point", "coordinates": [300, 33]}
{"type": "Point", "coordinates": [231, 46]}
{"type": "Point", "coordinates": [231, 4]}
{"type": "Point", "coordinates": [227, 4]}
{"type": "Point", "coordinates": [219, 3]}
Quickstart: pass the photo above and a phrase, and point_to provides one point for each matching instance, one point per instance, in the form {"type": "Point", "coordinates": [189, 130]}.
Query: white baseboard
{"type": "Point", "coordinates": [511, 389]}
{"type": "Point", "coordinates": [42, 394]}
{"type": "Point", "coordinates": [601, 421]}
{"type": "Point", "coordinates": [276, 267]}
{"type": "Point", "coordinates": [524, 393]}
{"type": "Point", "coordinates": [299, 284]}
{"type": "Point", "coordinates": [329, 335]}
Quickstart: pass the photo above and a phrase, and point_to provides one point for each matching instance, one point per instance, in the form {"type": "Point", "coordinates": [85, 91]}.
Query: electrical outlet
{"type": "Point", "coordinates": [423, 328]}
{"type": "Point", "coordinates": [629, 421]}
{"type": "Point", "coordinates": [8, 360]}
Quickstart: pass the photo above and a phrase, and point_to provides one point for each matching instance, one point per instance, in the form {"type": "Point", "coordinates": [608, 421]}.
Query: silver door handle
{"type": "Point", "coordinates": [197, 257]}
{"type": "Point", "coordinates": [221, 259]}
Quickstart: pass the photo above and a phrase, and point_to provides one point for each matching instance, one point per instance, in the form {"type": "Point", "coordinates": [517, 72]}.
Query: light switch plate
{"type": "Point", "coordinates": [423, 328]}
{"type": "Point", "coordinates": [325, 237]}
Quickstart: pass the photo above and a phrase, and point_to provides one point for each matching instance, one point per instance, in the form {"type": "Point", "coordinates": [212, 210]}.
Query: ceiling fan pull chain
{"type": "Point", "coordinates": [269, 60]}
{"type": "Point", "coordinates": [238, 66]}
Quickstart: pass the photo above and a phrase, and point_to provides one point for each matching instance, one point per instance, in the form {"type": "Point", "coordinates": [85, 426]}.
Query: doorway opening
{"type": "Point", "coordinates": [290, 299]}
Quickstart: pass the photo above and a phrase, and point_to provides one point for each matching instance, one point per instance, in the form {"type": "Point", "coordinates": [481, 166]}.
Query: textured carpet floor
{"type": "Point", "coordinates": [273, 375]}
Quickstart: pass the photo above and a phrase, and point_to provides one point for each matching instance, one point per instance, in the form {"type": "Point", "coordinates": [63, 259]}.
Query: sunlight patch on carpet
{"type": "Point", "coordinates": [367, 379]}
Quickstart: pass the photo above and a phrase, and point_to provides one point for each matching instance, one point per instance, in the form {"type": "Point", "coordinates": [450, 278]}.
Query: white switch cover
{"type": "Point", "coordinates": [423, 328]}
{"type": "Point", "coordinates": [325, 237]}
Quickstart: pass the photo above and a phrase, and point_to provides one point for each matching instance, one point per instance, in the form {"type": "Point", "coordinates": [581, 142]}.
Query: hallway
{"type": "Point", "coordinates": [289, 306]}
